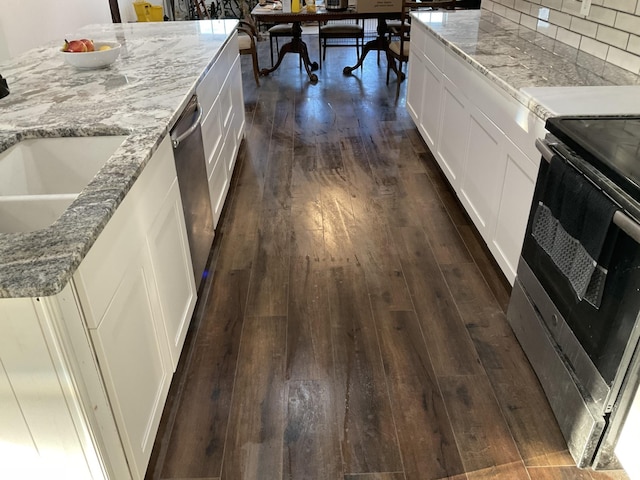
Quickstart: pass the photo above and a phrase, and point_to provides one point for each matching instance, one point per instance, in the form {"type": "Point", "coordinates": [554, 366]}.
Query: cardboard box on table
{"type": "Point", "coordinates": [379, 6]}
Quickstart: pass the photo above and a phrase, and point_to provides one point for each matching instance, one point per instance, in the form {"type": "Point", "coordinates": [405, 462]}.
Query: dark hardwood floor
{"type": "Point", "coordinates": [354, 327]}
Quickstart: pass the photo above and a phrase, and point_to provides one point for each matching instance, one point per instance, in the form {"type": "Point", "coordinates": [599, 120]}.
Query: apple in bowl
{"type": "Point", "coordinates": [78, 46]}
{"type": "Point", "coordinates": [86, 54]}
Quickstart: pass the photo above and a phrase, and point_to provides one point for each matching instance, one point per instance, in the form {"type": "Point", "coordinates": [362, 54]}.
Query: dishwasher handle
{"type": "Point", "coordinates": [176, 140]}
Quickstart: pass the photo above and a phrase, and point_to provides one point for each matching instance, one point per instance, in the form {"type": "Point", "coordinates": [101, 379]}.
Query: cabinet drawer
{"type": "Point", "coordinates": [434, 50]}
{"type": "Point", "coordinates": [218, 181]}
{"type": "Point", "coordinates": [212, 136]}
{"type": "Point", "coordinates": [209, 87]}
{"type": "Point", "coordinates": [226, 103]}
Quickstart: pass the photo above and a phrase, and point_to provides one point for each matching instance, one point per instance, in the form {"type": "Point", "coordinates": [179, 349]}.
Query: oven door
{"type": "Point", "coordinates": [580, 353]}
{"type": "Point", "coordinates": [595, 340]}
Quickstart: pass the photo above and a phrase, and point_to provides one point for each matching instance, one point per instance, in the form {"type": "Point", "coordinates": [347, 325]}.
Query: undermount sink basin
{"type": "Point", "coordinates": [41, 177]}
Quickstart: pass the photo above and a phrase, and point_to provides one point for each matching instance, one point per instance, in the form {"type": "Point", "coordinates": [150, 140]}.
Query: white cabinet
{"type": "Point", "coordinates": [137, 290]}
{"type": "Point", "coordinates": [55, 418]}
{"type": "Point", "coordinates": [431, 104]}
{"type": "Point", "coordinates": [454, 123]}
{"type": "Point", "coordinates": [84, 374]}
{"type": "Point", "coordinates": [222, 103]}
{"type": "Point", "coordinates": [513, 209]}
{"type": "Point", "coordinates": [483, 139]}
{"type": "Point", "coordinates": [484, 171]}
{"type": "Point", "coordinates": [134, 362]}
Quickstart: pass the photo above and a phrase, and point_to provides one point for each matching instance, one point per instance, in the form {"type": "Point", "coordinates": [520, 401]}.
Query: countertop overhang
{"type": "Point", "coordinates": [141, 95]}
{"type": "Point", "coordinates": [526, 64]}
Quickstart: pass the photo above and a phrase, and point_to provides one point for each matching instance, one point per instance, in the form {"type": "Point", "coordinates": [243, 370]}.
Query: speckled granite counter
{"type": "Point", "coordinates": [515, 57]}
{"type": "Point", "coordinates": [140, 95]}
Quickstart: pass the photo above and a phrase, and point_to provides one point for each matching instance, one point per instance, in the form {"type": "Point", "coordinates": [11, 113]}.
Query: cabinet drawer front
{"type": "Point", "coordinates": [209, 87]}
{"type": "Point", "coordinates": [434, 50]}
{"type": "Point", "coordinates": [212, 136]}
{"type": "Point", "coordinates": [219, 179]}
{"type": "Point", "coordinates": [101, 270]}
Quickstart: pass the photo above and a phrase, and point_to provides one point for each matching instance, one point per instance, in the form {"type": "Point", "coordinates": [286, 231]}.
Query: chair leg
{"type": "Point", "coordinates": [399, 79]}
{"type": "Point", "coordinates": [256, 69]}
{"type": "Point", "coordinates": [271, 44]}
{"type": "Point", "coordinates": [319, 46]}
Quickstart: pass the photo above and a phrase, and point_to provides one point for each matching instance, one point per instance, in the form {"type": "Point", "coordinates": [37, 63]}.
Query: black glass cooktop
{"type": "Point", "coordinates": [610, 143]}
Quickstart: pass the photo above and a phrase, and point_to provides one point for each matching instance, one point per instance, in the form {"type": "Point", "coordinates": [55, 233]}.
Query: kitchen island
{"type": "Point", "coordinates": [95, 305]}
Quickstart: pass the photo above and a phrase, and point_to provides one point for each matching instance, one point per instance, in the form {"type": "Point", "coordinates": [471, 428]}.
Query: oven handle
{"type": "Point", "coordinates": [621, 219]}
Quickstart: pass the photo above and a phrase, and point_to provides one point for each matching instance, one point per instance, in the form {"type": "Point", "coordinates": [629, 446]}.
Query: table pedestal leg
{"type": "Point", "coordinates": [296, 45]}
{"type": "Point", "coordinates": [380, 43]}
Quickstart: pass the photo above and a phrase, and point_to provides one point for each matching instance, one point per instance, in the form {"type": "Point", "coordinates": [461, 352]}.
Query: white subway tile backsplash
{"type": "Point", "coordinates": [583, 27]}
{"type": "Point", "coordinates": [623, 59]}
{"type": "Point", "coordinates": [611, 31]}
{"type": "Point", "coordinates": [528, 21]}
{"type": "Point", "coordinates": [622, 5]}
{"type": "Point", "coordinates": [570, 38]}
{"type": "Point", "coordinates": [499, 9]}
{"type": "Point", "coordinates": [513, 15]}
{"type": "Point", "coordinates": [571, 6]}
{"type": "Point", "coordinates": [546, 29]}
{"type": "Point", "coordinates": [634, 44]}
{"type": "Point", "coordinates": [541, 13]}
{"type": "Point", "coordinates": [611, 36]}
{"type": "Point", "coordinates": [555, 4]}
{"type": "Point", "coordinates": [601, 15]}
{"type": "Point", "coordinates": [628, 23]}
{"type": "Point", "coordinates": [594, 47]}
{"type": "Point", "coordinates": [560, 19]}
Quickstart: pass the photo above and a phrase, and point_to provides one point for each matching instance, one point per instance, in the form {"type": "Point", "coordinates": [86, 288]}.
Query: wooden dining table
{"type": "Point", "coordinates": [267, 14]}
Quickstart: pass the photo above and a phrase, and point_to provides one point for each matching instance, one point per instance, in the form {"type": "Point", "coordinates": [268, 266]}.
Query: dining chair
{"type": "Point", "coordinates": [277, 31]}
{"type": "Point", "coordinates": [340, 30]}
{"type": "Point", "coordinates": [247, 37]}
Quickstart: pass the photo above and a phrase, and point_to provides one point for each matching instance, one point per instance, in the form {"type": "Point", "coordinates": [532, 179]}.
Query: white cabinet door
{"type": "Point", "coordinates": [431, 106]}
{"type": "Point", "coordinates": [513, 211]}
{"type": "Point", "coordinates": [131, 351]}
{"type": "Point", "coordinates": [480, 187]}
{"type": "Point", "coordinates": [415, 85]}
{"type": "Point", "coordinates": [170, 257]}
{"type": "Point", "coordinates": [454, 127]}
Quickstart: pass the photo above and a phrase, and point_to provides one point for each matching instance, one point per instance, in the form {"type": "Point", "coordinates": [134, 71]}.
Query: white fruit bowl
{"type": "Point", "coordinates": [96, 59]}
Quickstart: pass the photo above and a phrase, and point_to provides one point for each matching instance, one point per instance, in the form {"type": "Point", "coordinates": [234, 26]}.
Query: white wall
{"type": "Point", "coordinates": [25, 24]}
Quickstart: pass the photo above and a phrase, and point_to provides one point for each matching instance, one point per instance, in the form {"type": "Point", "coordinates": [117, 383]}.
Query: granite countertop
{"type": "Point", "coordinates": [141, 95]}
{"type": "Point", "coordinates": [517, 58]}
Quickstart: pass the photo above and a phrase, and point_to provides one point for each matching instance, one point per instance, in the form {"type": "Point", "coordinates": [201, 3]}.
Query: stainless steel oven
{"type": "Point", "coordinates": [576, 300]}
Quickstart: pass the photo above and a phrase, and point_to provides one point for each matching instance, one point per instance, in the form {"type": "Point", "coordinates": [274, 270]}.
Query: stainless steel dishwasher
{"type": "Point", "coordinates": [188, 150]}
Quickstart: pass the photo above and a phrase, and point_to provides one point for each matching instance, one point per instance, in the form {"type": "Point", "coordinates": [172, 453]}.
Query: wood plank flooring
{"type": "Point", "coordinates": [354, 327]}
